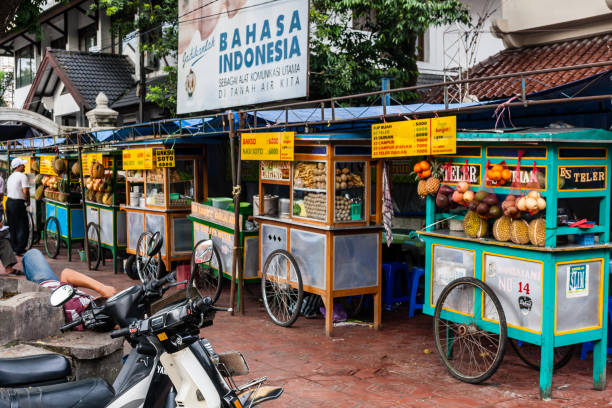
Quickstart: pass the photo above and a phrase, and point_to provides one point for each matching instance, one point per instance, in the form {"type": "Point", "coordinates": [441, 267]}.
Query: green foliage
{"type": "Point", "coordinates": [346, 61]}
{"type": "Point", "coordinates": [27, 17]}
{"type": "Point", "coordinates": [6, 84]}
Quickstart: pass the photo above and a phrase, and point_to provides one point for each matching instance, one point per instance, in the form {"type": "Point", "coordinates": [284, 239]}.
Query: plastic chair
{"type": "Point", "coordinates": [588, 346]}
{"type": "Point", "coordinates": [396, 283]}
{"type": "Point", "coordinates": [417, 274]}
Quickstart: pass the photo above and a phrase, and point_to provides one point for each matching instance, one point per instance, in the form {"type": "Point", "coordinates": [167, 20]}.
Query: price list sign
{"type": "Point", "coordinates": [138, 159]}
{"type": "Point", "coordinates": [267, 146]}
{"type": "Point", "coordinates": [444, 135]}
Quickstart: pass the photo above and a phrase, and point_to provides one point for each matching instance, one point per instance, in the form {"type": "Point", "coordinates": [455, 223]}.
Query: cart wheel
{"type": "Point", "coordinates": [94, 245]}
{"type": "Point", "coordinates": [283, 302]}
{"type": "Point", "coordinates": [530, 354]}
{"type": "Point", "coordinates": [51, 235]}
{"type": "Point", "coordinates": [470, 352]}
{"type": "Point", "coordinates": [207, 275]}
{"type": "Point", "coordinates": [156, 268]}
{"type": "Point", "coordinates": [31, 233]}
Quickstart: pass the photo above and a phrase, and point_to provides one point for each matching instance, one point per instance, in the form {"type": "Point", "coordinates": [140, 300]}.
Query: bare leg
{"type": "Point", "coordinates": [78, 279]}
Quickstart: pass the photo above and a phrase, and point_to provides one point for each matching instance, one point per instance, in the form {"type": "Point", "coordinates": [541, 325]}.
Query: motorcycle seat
{"type": "Point", "coordinates": [88, 393]}
{"type": "Point", "coordinates": [33, 370]}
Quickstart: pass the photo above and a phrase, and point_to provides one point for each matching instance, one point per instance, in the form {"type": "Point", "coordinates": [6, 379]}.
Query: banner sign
{"type": "Point", "coordinates": [582, 177]}
{"type": "Point", "coordinates": [138, 159]}
{"type": "Point", "coordinates": [164, 158]}
{"type": "Point", "coordinates": [267, 146]}
{"type": "Point", "coordinates": [241, 52]}
{"type": "Point", "coordinates": [420, 137]}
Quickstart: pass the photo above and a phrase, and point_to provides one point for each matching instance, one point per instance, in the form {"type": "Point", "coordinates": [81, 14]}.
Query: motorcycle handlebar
{"type": "Point", "coordinates": [120, 333]}
{"type": "Point", "coordinates": [72, 324]}
{"type": "Point", "coordinates": [161, 282]}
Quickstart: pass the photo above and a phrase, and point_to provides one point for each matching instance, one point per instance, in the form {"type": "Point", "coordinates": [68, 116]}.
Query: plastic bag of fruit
{"type": "Point", "coordinates": [448, 198]}
{"type": "Point", "coordinates": [497, 174]}
{"type": "Point", "coordinates": [428, 173]}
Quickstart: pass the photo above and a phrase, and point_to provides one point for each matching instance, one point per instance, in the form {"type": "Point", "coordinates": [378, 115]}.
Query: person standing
{"type": "Point", "coordinates": [2, 193]}
{"type": "Point", "coordinates": [18, 193]}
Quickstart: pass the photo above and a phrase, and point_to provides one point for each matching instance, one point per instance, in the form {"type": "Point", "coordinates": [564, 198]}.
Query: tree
{"type": "Point", "coordinates": [6, 85]}
{"type": "Point", "coordinates": [345, 61]}
{"type": "Point", "coordinates": [26, 16]}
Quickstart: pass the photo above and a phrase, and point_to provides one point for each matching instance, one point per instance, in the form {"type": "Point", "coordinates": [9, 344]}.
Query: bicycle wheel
{"type": "Point", "coordinates": [156, 268]}
{"type": "Point", "coordinates": [531, 353]}
{"type": "Point", "coordinates": [282, 301]}
{"type": "Point", "coordinates": [31, 233]}
{"type": "Point", "coordinates": [94, 245]}
{"type": "Point", "coordinates": [470, 353]}
{"type": "Point", "coordinates": [52, 237]}
{"type": "Point", "coordinates": [207, 275]}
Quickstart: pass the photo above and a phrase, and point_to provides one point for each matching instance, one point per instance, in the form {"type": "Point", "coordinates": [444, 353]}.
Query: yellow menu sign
{"type": "Point", "coordinates": [88, 160]}
{"type": "Point", "coordinates": [164, 158]}
{"type": "Point", "coordinates": [444, 135]}
{"type": "Point", "coordinates": [399, 139]}
{"type": "Point", "coordinates": [420, 137]}
{"type": "Point", "coordinates": [46, 165]}
{"type": "Point", "coordinates": [267, 146]}
{"type": "Point", "coordinates": [138, 159]}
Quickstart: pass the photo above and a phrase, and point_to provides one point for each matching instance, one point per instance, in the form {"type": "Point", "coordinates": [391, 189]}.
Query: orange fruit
{"type": "Point", "coordinates": [489, 174]}
{"type": "Point", "coordinates": [498, 167]}
{"type": "Point", "coordinates": [425, 174]}
{"type": "Point", "coordinates": [425, 165]}
{"type": "Point", "coordinates": [417, 167]}
{"type": "Point", "coordinates": [495, 175]}
{"type": "Point", "coordinates": [506, 174]}
{"type": "Point", "coordinates": [502, 182]}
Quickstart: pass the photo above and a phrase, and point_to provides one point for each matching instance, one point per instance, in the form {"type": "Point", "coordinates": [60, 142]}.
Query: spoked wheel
{"type": "Point", "coordinates": [207, 273]}
{"type": "Point", "coordinates": [283, 301]}
{"type": "Point", "coordinates": [52, 237]}
{"type": "Point", "coordinates": [471, 353]}
{"type": "Point", "coordinates": [94, 245]}
{"type": "Point", "coordinates": [156, 268]}
{"type": "Point", "coordinates": [531, 353]}
{"type": "Point", "coordinates": [31, 233]}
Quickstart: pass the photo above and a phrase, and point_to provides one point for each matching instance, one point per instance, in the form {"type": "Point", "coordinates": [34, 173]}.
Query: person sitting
{"type": "Point", "coordinates": [7, 255]}
{"type": "Point", "coordinates": [37, 269]}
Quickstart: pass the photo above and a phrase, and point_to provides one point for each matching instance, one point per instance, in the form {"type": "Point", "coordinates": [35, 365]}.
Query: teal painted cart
{"type": "Point", "coordinates": [546, 299]}
{"type": "Point", "coordinates": [64, 224]}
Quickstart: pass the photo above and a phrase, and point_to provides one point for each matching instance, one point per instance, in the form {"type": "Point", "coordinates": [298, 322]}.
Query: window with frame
{"type": "Point", "coordinates": [25, 67]}
{"type": "Point", "coordinates": [88, 38]}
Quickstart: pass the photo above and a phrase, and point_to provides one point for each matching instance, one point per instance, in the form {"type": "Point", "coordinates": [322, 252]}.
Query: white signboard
{"type": "Point", "coordinates": [518, 285]}
{"type": "Point", "coordinates": [240, 52]}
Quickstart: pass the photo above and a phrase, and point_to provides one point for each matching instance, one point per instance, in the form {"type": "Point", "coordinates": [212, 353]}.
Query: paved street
{"type": "Point", "coordinates": [360, 367]}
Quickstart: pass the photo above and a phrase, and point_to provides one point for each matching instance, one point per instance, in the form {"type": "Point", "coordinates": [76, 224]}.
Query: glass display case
{"type": "Point", "coordinates": [310, 190]}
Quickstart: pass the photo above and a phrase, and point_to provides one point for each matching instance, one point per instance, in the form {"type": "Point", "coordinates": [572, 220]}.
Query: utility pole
{"type": "Point", "coordinates": [142, 81]}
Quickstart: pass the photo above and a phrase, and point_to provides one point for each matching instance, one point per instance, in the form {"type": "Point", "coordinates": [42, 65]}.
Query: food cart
{"type": "Point", "coordinates": [542, 279]}
{"type": "Point", "coordinates": [162, 180]}
{"type": "Point", "coordinates": [210, 222]}
{"type": "Point", "coordinates": [105, 191]}
{"type": "Point", "coordinates": [62, 198]}
{"type": "Point", "coordinates": [319, 215]}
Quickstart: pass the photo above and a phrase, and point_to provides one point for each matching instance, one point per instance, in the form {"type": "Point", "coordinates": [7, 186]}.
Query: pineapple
{"type": "Point", "coordinates": [422, 188]}
{"type": "Point", "coordinates": [433, 183]}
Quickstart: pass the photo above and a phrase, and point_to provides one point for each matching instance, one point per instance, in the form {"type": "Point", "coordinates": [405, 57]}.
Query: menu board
{"type": "Point", "coordinates": [275, 170]}
{"type": "Point", "coordinates": [46, 165]}
{"type": "Point", "coordinates": [267, 146]}
{"type": "Point", "coordinates": [582, 177]}
{"type": "Point", "coordinates": [138, 159]}
{"type": "Point", "coordinates": [420, 137]}
{"type": "Point", "coordinates": [164, 158]}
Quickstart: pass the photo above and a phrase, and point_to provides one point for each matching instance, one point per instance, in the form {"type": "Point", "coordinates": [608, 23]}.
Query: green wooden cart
{"type": "Point", "coordinates": [545, 299]}
{"type": "Point", "coordinates": [218, 224]}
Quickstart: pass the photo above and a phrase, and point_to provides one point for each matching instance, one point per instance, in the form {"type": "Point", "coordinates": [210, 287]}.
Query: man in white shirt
{"type": "Point", "coordinates": [18, 193]}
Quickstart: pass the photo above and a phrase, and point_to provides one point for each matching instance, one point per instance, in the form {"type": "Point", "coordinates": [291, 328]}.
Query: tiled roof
{"type": "Point", "coordinates": [130, 97]}
{"type": "Point", "coordinates": [92, 73]}
{"type": "Point", "coordinates": [561, 54]}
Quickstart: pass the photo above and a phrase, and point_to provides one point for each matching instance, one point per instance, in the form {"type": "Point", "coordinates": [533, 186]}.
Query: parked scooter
{"type": "Point", "coordinates": [201, 377]}
{"type": "Point", "coordinates": [121, 309]}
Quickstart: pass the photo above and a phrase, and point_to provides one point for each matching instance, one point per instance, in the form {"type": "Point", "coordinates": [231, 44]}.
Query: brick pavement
{"type": "Point", "coordinates": [360, 367]}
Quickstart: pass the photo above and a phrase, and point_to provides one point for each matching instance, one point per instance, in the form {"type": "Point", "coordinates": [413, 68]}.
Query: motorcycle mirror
{"type": "Point", "coordinates": [61, 295]}
{"type": "Point", "coordinates": [155, 244]}
{"type": "Point", "coordinates": [202, 253]}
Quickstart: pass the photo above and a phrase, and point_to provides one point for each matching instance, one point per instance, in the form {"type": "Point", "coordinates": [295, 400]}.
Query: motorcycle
{"type": "Point", "coordinates": [121, 309]}
{"type": "Point", "coordinates": [201, 377]}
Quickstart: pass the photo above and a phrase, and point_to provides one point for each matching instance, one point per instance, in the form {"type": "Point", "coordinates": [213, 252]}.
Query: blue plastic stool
{"type": "Point", "coordinates": [394, 274]}
{"type": "Point", "coordinates": [417, 274]}
{"type": "Point", "coordinates": [588, 346]}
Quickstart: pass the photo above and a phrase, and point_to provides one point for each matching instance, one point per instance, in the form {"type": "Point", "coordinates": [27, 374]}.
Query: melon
{"type": "Point", "coordinates": [501, 228]}
{"type": "Point", "coordinates": [537, 232]}
{"type": "Point", "coordinates": [519, 232]}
